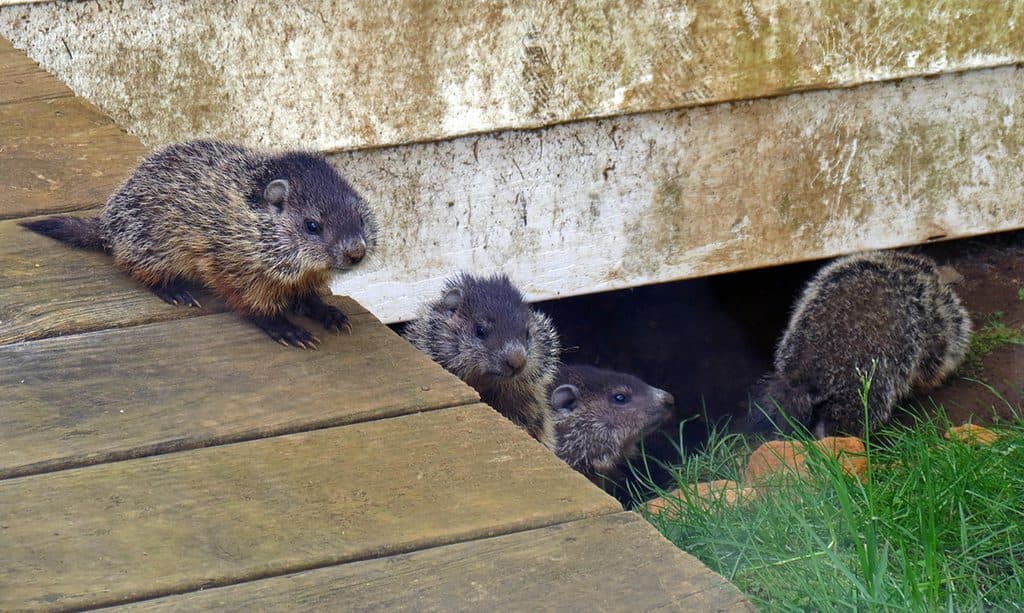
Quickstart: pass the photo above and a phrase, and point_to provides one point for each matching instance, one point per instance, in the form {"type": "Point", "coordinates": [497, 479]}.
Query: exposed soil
{"type": "Point", "coordinates": [993, 281]}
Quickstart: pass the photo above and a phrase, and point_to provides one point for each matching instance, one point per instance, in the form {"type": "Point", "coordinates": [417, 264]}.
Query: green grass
{"type": "Point", "coordinates": [940, 526]}
{"type": "Point", "coordinates": [994, 334]}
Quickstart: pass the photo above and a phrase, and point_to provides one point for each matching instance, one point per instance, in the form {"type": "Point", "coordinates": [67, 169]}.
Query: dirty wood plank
{"type": "Point", "coordinates": [21, 79]}
{"type": "Point", "coordinates": [611, 563]}
{"type": "Point", "coordinates": [601, 205]}
{"type": "Point", "coordinates": [49, 289]}
{"type": "Point", "coordinates": [400, 71]}
{"type": "Point", "coordinates": [162, 387]}
{"type": "Point", "coordinates": [129, 530]}
{"type": "Point", "coordinates": [60, 155]}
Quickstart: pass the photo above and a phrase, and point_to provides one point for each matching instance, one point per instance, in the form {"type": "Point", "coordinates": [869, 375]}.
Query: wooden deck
{"type": "Point", "coordinates": [167, 459]}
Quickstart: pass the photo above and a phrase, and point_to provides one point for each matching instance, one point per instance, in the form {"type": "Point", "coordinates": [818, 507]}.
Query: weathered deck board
{"type": "Point", "coordinates": [398, 71]}
{"type": "Point", "coordinates": [154, 526]}
{"type": "Point", "coordinates": [167, 386]}
{"type": "Point", "coordinates": [611, 563]}
{"type": "Point", "coordinates": [22, 80]}
{"type": "Point", "coordinates": [48, 289]}
{"type": "Point", "coordinates": [60, 155]}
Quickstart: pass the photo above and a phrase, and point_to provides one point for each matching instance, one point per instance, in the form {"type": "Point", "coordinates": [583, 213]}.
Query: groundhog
{"type": "Point", "coordinates": [600, 418]}
{"type": "Point", "coordinates": [886, 315]}
{"type": "Point", "coordinates": [261, 230]}
{"type": "Point", "coordinates": [482, 331]}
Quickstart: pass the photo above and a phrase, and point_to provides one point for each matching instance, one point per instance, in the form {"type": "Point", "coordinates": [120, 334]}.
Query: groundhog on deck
{"type": "Point", "coordinates": [886, 315]}
{"type": "Point", "coordinates": [261, 230]}
{"type": "Point", "coordinates": [600, 418]}
{"type": "Point", "coordinates": [482, 331]}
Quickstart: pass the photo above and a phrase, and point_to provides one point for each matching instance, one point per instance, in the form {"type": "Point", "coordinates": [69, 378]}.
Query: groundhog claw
{"type": "Point", "coordinates": [330, 317]}
{"type": "Point", "coordinates": [334, 320]}
{"type": "Point", "coordinates": [176, 294]}
{"type": "Point", "coordinates": [286, 333]}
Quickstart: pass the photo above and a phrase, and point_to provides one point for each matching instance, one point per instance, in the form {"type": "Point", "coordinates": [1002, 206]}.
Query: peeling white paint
{"type": "Point", "coordinates": [620, 93]}
{"type": "Point", "coordinates": [679, 17]}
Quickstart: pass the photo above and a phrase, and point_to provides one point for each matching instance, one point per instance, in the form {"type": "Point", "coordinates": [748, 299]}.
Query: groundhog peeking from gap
{"type": "Point", "coordinates": [482, 330]}
{"type": "Point", "coordinates": [887, 316]}
{"type": "Point", "coordinates": [261, 230]}
{"type": "Point", "coordinates": [600, 418]}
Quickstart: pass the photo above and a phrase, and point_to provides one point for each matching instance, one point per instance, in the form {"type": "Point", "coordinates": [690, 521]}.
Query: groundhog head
{"type": "Point", "coordinates": [324, 222]}
{"type": "Point", "coordinates": [601, 415]}
{"type": "Point", "coordinates": [488, 329]}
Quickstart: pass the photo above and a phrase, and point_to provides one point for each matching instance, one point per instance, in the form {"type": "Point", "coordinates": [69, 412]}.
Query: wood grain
{"type": "Point", "coordinates": [594, 206]}
{"type": "Point", "coordinates": [60, 155]}
{"type": "Point", "coordinates": [143, 528]}
{"type": "Point", "coordinates": [49, 289]}
{"type": "Point", "coordinates": [162, 387]}
{"type": "Point", "coordinates": [612, 563]}
{"type": "Point", "coordinates": [21, 79]}
{"type": "Point", "coordinates": [374, 74]}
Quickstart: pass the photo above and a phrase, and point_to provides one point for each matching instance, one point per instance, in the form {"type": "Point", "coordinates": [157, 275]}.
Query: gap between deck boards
{"type": "Point", "coordinates": [184, 444]}
{"type": "Point", "coordinates": [74, 402]}
{"type": "Point", "coordinates": [228, 514]}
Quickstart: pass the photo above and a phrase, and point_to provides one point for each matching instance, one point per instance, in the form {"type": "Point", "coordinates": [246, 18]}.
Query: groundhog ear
{"type": "Point", "coordinates": [452, 299]}
{"type": "Point", "coordinates": [564, 398]}
{"type": "Point", "coordinates": [275, 192]}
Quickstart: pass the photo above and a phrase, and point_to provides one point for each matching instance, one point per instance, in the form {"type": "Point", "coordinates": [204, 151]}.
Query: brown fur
{"type": "Point", "coordinates": [261, 230]}
{"type": "Point", "coordinates": [883, 315]}
{"type": "Point", "coordinates": [600, 418]}
{"type": "Point", "coordinates": [447, 331]}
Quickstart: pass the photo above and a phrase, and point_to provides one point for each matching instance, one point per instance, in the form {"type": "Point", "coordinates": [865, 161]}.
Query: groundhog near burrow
{"type": "Point", "coordinates": [482, 331]}
{"type": "Point", "coordinates": [886, 315]}
{"type": "Point", "coordinates": [600, 418]}
{"type": "Point", "coordinates": [261, 230]}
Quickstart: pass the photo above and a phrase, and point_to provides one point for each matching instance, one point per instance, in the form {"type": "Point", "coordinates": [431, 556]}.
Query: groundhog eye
{"type": "Point", "coordinates": [313, 227]}
{"type": "Point", "coordinates": [480, 332]}
{"type": "Point", "coordinates": [619, 398]}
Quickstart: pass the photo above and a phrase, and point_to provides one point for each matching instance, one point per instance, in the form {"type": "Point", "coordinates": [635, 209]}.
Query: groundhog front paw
{"type": "Point", "coordinates": [176, 294]}
{"type": "Point", "coordinates": [287, 333]}
{"type": "Point", "coordinates": [334, 320]}
{"type": "Point", "coordinates": [330, 317]}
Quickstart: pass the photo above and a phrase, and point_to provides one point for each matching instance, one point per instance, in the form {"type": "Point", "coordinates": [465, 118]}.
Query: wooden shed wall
{"type": "Point", "coordinates": [431, 101]}
{"type": "Point", "coordinates": [599, 205]}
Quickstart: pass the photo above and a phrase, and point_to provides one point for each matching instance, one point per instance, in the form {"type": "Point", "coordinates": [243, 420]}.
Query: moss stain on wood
{"type": "Point", "coordinates": [400, 71]}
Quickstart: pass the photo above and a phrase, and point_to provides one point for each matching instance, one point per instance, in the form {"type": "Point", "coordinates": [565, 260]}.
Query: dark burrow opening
{"type": "Point", "coordinates": [707, 340]}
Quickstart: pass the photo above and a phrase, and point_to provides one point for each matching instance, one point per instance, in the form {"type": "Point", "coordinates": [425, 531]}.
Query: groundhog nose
{"type": "Point", "coordinates": [516, 359]}
{"type": "Point", "coordinates": [356, 252]}
{"type": "Point", "coordinates": [666, 398]}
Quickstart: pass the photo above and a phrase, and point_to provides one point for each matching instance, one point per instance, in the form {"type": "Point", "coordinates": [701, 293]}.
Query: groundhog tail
{"type": "Point", "coordinates": [81, 232]}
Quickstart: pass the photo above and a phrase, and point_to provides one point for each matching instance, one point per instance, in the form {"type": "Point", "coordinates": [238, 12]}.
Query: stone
{"type": "Point", "coordinates": [972, 434]}
{"type": "Point", "coordinates": [706, 494]}
{"type": "Point", "coordinates": [790, 457]}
